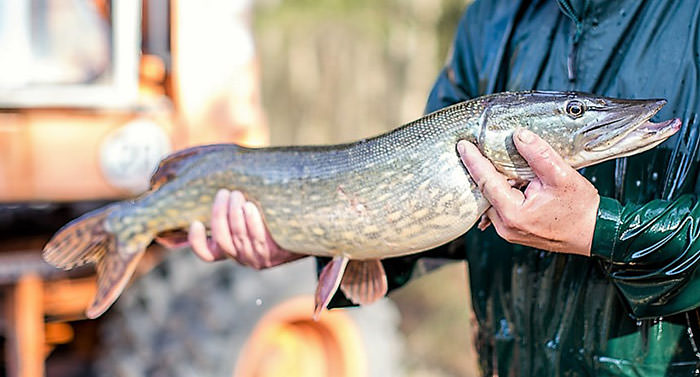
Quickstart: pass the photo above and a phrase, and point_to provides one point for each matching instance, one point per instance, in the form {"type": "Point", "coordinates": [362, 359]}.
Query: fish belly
{"type": "Point", "coordinates": [377, 214]}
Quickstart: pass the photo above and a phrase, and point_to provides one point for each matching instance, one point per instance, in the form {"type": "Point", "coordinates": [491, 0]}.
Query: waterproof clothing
{"type": "Point", "coordinates": [629, 309]}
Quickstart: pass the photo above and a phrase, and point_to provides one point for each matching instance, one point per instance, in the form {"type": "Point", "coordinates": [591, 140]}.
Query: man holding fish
{"type": "Point", "coordinates": [589, 272]}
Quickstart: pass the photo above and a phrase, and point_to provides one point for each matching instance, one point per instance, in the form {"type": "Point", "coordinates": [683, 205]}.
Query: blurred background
{"type": "Point", "coordinates": [93, 93]}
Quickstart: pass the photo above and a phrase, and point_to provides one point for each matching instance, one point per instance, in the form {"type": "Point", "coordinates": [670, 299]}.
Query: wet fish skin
{"type": "Point", "coordinates": [398, 193]}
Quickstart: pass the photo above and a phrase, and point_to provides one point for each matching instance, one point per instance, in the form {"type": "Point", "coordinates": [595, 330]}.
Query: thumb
{"type": "Point", "coordinates": [546, 163]}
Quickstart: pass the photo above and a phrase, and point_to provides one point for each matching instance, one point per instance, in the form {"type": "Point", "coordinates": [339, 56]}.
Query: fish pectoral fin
{"type": "Point", "coordinates": [172, 239]}
{"type": "Point", "coordinates": [364, 281]}
{"type": "Point", "coordinates": [328, 283]}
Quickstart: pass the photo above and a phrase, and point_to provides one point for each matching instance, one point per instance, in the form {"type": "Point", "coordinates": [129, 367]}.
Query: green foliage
{"type": "Point", "coordinates": [375, 18]}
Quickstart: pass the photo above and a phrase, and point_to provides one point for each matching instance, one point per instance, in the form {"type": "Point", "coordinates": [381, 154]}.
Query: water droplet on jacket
{"type": "Point", "coordinates": [504, 330]}
{"type": "Point", "coordinates": [622, 13]}
{"type": "Point", "coordinates": [258, 301]}
{"type": "Point", "coordinates": [654, 176]}
{"type": "Point", "coordinates": [593, 179]}
{"type": "Point", "coordinates": [638, 183]}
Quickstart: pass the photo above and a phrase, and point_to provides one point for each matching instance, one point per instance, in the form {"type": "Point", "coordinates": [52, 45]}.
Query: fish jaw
{"type": "Point", "coordinates": [642, 138]}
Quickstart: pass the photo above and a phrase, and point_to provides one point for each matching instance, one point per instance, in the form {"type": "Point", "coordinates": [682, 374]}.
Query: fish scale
{"type": "Point", "coordinates": [395, 194]}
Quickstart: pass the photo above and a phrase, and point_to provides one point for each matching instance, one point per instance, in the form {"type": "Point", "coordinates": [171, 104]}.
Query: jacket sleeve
{"type": "Point", "coordinates": [651, 252]}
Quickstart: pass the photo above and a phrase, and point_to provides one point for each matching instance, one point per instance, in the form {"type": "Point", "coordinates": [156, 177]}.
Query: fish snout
{"type": "Point", "coordinates": [654, 105]}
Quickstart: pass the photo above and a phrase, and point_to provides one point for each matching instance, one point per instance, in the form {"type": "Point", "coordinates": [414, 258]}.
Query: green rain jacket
{"type": "Point", "coordinates": [631, 308]}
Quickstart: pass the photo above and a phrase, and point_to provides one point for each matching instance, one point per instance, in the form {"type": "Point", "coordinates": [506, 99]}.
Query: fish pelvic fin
{"type": "Point", "coordinates": [364, 281]}
{"type": "Point", "coordinates": [86, 240]}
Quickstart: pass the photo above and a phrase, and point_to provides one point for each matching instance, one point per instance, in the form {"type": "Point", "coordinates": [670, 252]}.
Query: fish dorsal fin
{"type": "Point", "coordinates": [170, 166]}
{"type": "Point", "coordinates": [328, 283]}
{"type": "Point", "coordinates": [364, 281]}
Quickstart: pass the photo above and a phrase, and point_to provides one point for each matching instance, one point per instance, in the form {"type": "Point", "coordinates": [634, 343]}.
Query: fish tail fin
{"type": "Point", "coordinates": [81, 241]}
{"type": "Point", "coordinates": [85, 240]}
{"type": "Point", "coordinates": [114, 270]}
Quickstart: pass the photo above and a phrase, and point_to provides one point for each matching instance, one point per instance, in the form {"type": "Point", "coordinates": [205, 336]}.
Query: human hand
{"type": "Point", "coordinates": [238, 232]}
{"type": "Point", "coordinates": [557, 211]}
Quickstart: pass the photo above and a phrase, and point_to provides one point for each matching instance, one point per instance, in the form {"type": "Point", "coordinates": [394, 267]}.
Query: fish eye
{"type": "Point", "coordinates": [575, 108]}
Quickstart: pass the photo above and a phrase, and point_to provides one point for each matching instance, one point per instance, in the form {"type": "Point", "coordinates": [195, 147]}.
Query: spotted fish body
{"type": "Point", "coordinates": [395, 194]}
{"type": "Point", "coordinates": [391, 195]}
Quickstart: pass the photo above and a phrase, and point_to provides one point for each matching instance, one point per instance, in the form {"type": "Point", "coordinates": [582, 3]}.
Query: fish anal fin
{"type": "Point", "coordinates": [328, 283]}
{"type": "Point", "coordinates": [170, 166]}
{"type": "Point", "coordinates": [364, 281]}
{"type": "Point", "coordinates": [173, 239]}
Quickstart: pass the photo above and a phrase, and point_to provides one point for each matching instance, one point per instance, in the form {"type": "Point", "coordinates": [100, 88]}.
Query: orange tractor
{"type": "Point", "coordinates": [92, 95]}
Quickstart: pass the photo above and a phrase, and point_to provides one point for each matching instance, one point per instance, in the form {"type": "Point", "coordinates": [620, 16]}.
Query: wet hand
{"type": "Point", "coordinates": [557, 210]}
{"type": "Point", "coordinates": [237, 232]}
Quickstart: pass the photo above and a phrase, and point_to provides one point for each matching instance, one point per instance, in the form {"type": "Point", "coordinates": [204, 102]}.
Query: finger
{"type": "Point", "coordinates": [257, 233]}
{"type": "Point", "coordinates": [484, 222]}
{"type": "Point", "coordinates": [492, 184]}
{"type": "Point", "coordinates": [239, 231]}
{"type": "Point", "coordinates": [493, 215]}
{"type": "Point", "coordinates": [205, 250]}
{"type": "Point", "coordinates": [498, 223]}
{"type": "Point", "coordinates": [236, 222]}
{"type": "Point", "coordinates": [543, 160]}
{"type": "Point", "coordinates": [220, 230]}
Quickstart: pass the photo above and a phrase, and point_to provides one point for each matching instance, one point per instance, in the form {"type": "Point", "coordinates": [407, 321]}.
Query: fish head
{"type": "Point", "coordinates": [583, 129]}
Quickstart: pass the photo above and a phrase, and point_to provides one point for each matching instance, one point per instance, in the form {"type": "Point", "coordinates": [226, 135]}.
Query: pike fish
{"type": "Point", "coordinates": [399, 193]}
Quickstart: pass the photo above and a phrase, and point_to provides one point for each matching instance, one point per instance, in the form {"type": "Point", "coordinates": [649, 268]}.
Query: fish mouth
{"type": "Point", "coordinates": [617, 119]}
{"type": "Point", "coordinates": [627, 130]}
{"type": "Point", "coordinates": [646, 136]}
